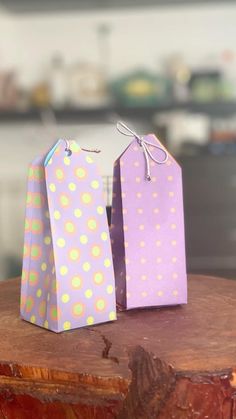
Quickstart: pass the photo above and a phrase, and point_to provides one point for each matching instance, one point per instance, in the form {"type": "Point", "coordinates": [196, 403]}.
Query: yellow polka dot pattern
{"type": "Point", "coordinates": [63, 270]}
{"type": "Point", "coordinates": [95, 184]}
{"type": "Point", "coordinates": [86, 198]}
{"type": "Point", "coordinates": [44, 267]}
{"type": "Point", "coordinates": [107, 263]}
{"type": "Point", "coordinates": [78, 213]}
{"type": "Point", "coordinates": [74, 254]}
{"type": "Point", "coordinates": [100, 210]}
{"type": "Point", "coordinates": [65, 298]}
{"type": "Point", "coordinates": [83, 239]}
{"type": "Point", "coordinates": [86, 266]}
{"type": "Point", "coordinates": [57, 215]}
{"type": "Point", "coordinates": [70, 227]}
{"type": "Point", "coordinates": [81, 173]}
{"type": "Point", "coordinates": [90, 320]}
{"type": "Point", "coordinates": [98, 278]}
{"type": "Point", "coordinates": [88, 293]}
{"type": "Point", "coordinates": [67, 325]}
{"type": "Point", "coordinates": [150, 225]}
{"type": "Point", "coordinates": [47, 240]}
{"type": "Point", "coordinates": [76, 282]}
{"type": "Point", "coordinates": [92, 224]}
{"type": "Point", "coordinates": [72, 186]}
{"type": "Point", "coordinates": [60, 174]}
{"type": "Point", "coordinates": [96, 251]}
{"type": "Point", "coordinates": [61, 242]}
{"type": "Point", "coordinates": [109, 289]}
{"type": "Point", "coordinates": [52, 187]}
{"type": "Point", "coordinates": [112, 315]}
{"type": "Point", "coordinates": [66, 161]}
{"type": "Point", "coordinates": [73, 285]}
{"type": "Point", "coordinates": [39, 293]}
{"type": "Point", "coordinates": [104, 236]}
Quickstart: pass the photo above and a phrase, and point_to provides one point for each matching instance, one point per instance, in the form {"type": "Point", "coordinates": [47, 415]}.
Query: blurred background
{"type": "Point", "coordinates": [70, 69]}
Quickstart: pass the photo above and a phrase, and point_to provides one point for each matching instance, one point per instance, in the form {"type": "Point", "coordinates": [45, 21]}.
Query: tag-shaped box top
{"type": "Point", "coordinates": [147, 229]}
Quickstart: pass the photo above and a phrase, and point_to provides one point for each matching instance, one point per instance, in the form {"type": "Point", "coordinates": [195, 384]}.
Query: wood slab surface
{"type": "Point", "coordinates": [172, 362]}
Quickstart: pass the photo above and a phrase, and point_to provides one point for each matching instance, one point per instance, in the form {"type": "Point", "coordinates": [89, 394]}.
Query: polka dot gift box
{"type": "Point", "coordinates": [147, 225]}
{"type": "Point", "coordinates": [67, 275]}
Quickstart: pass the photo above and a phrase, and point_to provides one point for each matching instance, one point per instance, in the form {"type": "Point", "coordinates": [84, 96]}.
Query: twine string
{"type": "Point", "coordinates": [125, 130]}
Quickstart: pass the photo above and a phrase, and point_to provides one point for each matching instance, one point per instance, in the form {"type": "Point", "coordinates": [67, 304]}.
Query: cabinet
{"type": "Point", "coordinates": [209, 184]}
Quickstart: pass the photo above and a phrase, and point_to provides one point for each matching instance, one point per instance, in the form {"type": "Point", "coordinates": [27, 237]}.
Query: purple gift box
{"type": "Point", "coordinates": [67, 275]}
{"type": "Point", "coordinates": [147, 226]}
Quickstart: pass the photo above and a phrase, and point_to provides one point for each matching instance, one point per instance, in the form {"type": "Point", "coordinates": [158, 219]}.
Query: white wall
{"type": "Point", "coordinates": [138, 37]}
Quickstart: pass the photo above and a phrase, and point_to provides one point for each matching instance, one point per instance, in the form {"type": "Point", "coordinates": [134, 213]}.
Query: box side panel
{"type": "Point", "coordinates": [38, 277]}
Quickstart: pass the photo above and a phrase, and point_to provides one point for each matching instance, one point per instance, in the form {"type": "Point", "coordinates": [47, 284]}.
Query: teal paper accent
{"type": "Point", "coordinates": [51, 152]}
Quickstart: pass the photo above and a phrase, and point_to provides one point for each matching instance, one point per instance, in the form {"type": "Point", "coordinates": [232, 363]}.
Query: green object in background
{"type": "Point", "coordinates": [227, 90]}
{"type": "Point", "coordinates": [206, 90]}
{"type": "Point", "coordinates": [208, 86]}
{"type": "Point", "coordinates": [141, 88]}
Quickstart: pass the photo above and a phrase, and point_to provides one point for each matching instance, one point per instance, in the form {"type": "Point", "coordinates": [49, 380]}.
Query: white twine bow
{"type": "Point", "coordinates": [125, 130]}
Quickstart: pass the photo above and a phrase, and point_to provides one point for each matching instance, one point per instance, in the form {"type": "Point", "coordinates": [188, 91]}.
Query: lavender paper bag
{"type": "Point", "coordinates": [67, 275]}
{"type": "Point", "coordinates": [147, 226]}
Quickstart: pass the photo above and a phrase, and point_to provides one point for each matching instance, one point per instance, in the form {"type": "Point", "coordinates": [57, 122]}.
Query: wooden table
{"type": "Point", "coordinates": [176, 362]}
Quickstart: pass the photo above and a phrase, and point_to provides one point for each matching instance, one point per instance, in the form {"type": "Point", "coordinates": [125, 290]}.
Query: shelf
{"type": "Point", "coordinates": [28, 6]}
{"type": "Point", "coordinates": [112, 113]}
